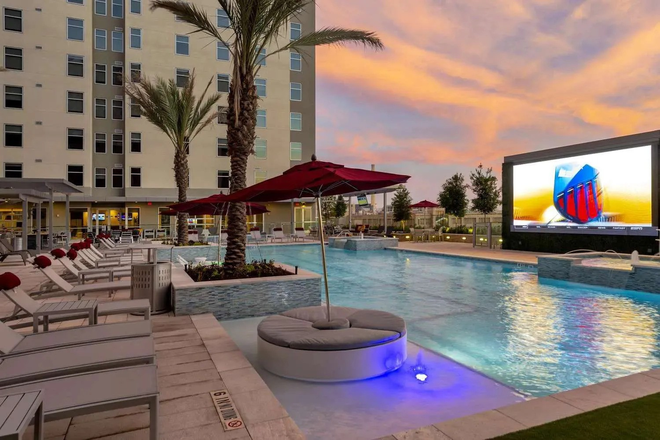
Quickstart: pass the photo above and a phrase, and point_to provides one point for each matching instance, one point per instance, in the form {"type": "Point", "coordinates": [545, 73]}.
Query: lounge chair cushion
{"type": "Point", "coordinates": [9, 281]}
{"type": "Point", "coordinates": [72, 254]}
{"type": "Point", "coordinates": [42, 261]}
{"type": "Point", "coordinates": [294, 329]}
{"type": "Point", "coordinates": [58, 253]}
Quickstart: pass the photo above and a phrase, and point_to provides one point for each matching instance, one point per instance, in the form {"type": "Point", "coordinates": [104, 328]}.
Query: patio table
{"type": "Point", "coordinates": [64, 308]}
{"type": "Point", "coordinates": [16, 411]}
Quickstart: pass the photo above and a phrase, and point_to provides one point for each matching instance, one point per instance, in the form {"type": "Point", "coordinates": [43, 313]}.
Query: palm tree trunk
{"type": "Point", "coordinates": [240, 137]}
{"type": "Point", "coordinates": [182, 176]}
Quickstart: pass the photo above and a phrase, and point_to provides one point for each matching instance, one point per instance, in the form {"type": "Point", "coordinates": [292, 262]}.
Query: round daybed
{"type": "Point", "coordinates": [290, 346]}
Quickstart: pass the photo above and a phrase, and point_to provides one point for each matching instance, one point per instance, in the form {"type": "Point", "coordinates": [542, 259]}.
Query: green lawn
{"type": "Point", "coordinates": [635, 419]}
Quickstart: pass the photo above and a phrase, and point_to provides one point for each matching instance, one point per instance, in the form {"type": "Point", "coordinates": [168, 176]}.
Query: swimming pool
{"type": "Point", "coordinates": [539, 337]}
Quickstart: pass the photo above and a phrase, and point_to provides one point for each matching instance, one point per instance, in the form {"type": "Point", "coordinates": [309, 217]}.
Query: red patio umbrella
{"type": "Point", "coordinates": [317, 179]}
{"type": "Point", "coordinates": [425, 204]}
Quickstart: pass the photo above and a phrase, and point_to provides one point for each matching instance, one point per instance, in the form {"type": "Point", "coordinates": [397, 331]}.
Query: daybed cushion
{"type": "Point", "coordinates": [294, 329]}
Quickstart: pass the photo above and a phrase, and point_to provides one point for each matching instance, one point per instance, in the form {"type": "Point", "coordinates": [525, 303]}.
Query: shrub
{"type": "Point", "coordinates": [255, 269]}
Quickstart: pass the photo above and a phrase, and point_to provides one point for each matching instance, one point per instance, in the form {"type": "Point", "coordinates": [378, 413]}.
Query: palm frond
{"type": "Point", "coordinates": [333, 36]}
{"type": "Point", "coordinates": [191, 14]}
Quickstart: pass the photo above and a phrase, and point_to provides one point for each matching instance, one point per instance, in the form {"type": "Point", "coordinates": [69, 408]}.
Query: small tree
{"type": "Point", "coordinates": [401, 205]}
{"type": "Point", "coordinates": [327, 208]}
{"type": "Point", "coordinates": [340, 207]}
{"type": "Point", "coordinates": [484, 187]}
{"type": "Point", "coordinates": [453, 196]}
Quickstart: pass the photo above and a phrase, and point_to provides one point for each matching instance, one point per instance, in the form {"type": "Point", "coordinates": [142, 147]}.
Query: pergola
{"type": "Point", "coordinates": [38, 191]}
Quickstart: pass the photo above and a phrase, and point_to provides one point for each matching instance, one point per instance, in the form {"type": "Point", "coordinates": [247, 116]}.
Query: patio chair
{"type": "Point", "coordinates": [6, 250]}
{"type": "Point", "coordinates": [223, 237]}
{"type": "Point", "coordinates": [278, 234]}
{"type": "Point", "coordinates": [13, 343]}
{"type": "Point", "coordinates": [93, 392]}
{"type": "Point", "coordinates": [255, 234]}
{"type": "Point", "coordinates": [92, 274]}
{"type": "Point", "coordinates": [299, 234]}
{"type": "Point", "coordinates": [94, 262]}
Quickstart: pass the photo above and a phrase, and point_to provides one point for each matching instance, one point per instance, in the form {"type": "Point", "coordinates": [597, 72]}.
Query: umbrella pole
{"type": "Point", "coordinates": [325, 269]}
{"type": "Point", "coordinates": [219, 238]}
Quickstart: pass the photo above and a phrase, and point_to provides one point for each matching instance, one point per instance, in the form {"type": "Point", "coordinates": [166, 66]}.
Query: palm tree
{"type": "Point", "coordinates": [181, 116]}
{"type": "Point", "coordinates": [256, 24]}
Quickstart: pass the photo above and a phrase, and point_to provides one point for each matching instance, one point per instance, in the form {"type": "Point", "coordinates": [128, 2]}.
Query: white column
{"type": "Point", "coordinates": [97, 222]}
{"type": "Point", "coordinates": [67, 217]}
{"type": "Point", "coordinates": [39, 227]}
{"type": "Point", "coordinates": [51, 208]}
{"type": "Point", "coordinates": [293, 217]}
{"type": "Point", "coordinates": [384, 213]}
{"type": "Point", "coordinates": [26, 214]}
{"type": "Point", "coordinates": [350, 214]}
{"type": "Point", "coordinates": [263, 222]}
{"type": "Point", "coordinates": [126, 217]}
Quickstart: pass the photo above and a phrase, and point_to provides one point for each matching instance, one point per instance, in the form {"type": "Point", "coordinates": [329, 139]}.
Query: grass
{"type": "Point", "coordinates": [634, 419]}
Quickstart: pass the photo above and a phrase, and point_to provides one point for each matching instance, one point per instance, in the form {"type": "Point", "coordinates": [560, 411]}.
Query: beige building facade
{"type": "Point", "coordinates": [65, 114]}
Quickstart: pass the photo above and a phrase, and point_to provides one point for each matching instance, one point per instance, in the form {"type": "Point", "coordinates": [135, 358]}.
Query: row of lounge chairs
{"type": "Point", "coordinates": [278, 234]}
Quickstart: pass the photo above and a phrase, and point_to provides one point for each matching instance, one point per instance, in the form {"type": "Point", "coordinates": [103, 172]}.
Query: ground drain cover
{"type": "Point", "coordinates": [227, 411]}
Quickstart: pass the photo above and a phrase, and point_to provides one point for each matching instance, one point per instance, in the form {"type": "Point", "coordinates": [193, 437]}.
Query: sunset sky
{"type": "Point", "coordinates": [462, 82]}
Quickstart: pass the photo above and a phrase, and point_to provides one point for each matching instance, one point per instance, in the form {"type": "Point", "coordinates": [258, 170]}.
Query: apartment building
{"type": "Point", "coordinates": [65, 114]}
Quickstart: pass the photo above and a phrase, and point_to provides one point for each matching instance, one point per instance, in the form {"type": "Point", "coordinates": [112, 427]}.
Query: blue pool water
{"type": "Point", "coordinates": [540, 337]}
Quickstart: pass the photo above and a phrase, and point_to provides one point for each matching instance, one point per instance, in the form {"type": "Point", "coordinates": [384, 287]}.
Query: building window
{"type": "Point", "coordinates": [261, 58]}
{"type": "Point", "coordinates": [117, 75]}
{"type": "Point", "coordinates": [222, 114]}
{"type": "Point", "coordinates": [117, 177]}
{"type": "Point", "coordinates": [117, 144]}
{"type": "Point", "coordinates": [296, 31]}
{"type": "Point", "coordinates": [100, 71]}
{"type": "Point", "coordinates": [260, 148]}
{"type": "Point", "coordinates": [223, 83]}
{"type": "Point", "coordinates": [296, 121]}
{"type": "Point", "coordinates": [136, 142]}
{"type": "Point", "coordinates": [78, 2]}
{"type": "Point", "coordinates": [117, 109]}
{"type": "Point", "coordinates": [75, 65]}
{"type": "Point", "coordinates": [117, 41]}
{"type": "Point", "coordinates": [260, 176]}
{"type": "Point", "coordinates": [222, 51]}
{"type": "Point", "coordinates": [13, 97]}
{"type": "Point", "coordinates": [100, 108]}
{"type": "Point", "coordinates": [136, 111]}
{"type": "Point", "coordinates": [74, 102]}
{"type": "Point", "coordinates": [101, 7]}
{"type": "Point", "coordinates": [14, 170]}
{"type": "Point", "coordinates": [100, 175]}
{"type": "Point", "coordinates": [182, 45]}
{"type": "Point", "coordinates": [13, 20]}
{"type": "Point", "coordinates": [136, 6]}
{"type": "Point", "coordinates": [295, 150]}
{"type": "Point", "coordinates": [13, 58]}
{"type": "Point", "coordinates": [118, 8]}
{"type": "Point", "coordinates": [223, 179]}
{"type": "Point", "coordinates": [136, 72]}
{"type": "Point", "coordinates": [136, 38]}
{"type": "Point", "coordinates": [261, 118]}
{"type": "Point", "coordinates": [261, 87]}
{"type": "Point", "coordinates": [74, 174]}
{"type": "Point", "coordinates": [74, 139]}
{"type": "Point", "coordinates": [100, 143]}
{"type": "Point", "coordinates": [182, 77]}
{"type": "Point", "coordinates": [100, 39]}
{"type": "Point", "coordinates": [223, 18]}
{"type": "Point", "coordinates": [296, 92]}
{"type": "Point", "coordinates": [75, 29]}
{"type": "Point", "coordinates": [296, 62]}
{"type": "Point", "coordinates": [223, 147]}
{"type": "Point", "coordinates": [136, 177]}
{"type": "Point", "coordinates": [13, 135]}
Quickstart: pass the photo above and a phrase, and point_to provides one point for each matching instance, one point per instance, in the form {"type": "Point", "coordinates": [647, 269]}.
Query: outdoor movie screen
{"type": "Point", "coordinates": [600, 193]}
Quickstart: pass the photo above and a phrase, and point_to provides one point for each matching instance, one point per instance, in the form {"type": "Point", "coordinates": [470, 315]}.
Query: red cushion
{"type": "Point", "coordinates": [255, 229]}
{"type": "Point", "coordinates": [58, 253]}
{"type": "Point", "coordinates": [72, 254]}
{"type": "Point", "coordinates": [42, 261]}
{"type": "Point", "coordinates": [8, 281]}
{"type": "Point", "coordinates": [86, 245]}
{"type": "Point", "coordinates": [75, 246]}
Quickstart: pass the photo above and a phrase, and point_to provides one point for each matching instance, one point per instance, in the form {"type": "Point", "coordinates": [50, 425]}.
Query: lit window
{"type": "Point", "coordinates": [223, 179]}
{"type": "Point", "coordinates": [75, 174]}
{"type": "Point", "coordinates": [117, 177]}
{"type": "Point", "coordinates": [100, 39]}
{"type": "Point", "coordinates": [117, 41]}
{"type": "Point", "coordinates": [136, 6]}
{"type": "Point", "coordinates": [75, 29]}
{"type": "Point", "coordinates": [223, 147]}
{"type": "Point", "coordinates": [296, 30]}
{"type": "Point", "coordinates": [261, 118]}
{"type": "Point", "coordinates": [222, 114]}
{"type": "Point", "coordinates": [74, 102]}
{"type": "Point", "coordinates": [14, 97]}
{"type": "Point", "coordinates": [100, 73]}
{"type": "Point", "coordinates": [75, 65]}
{"type": "Point", "coordinates": [74, 139]}
{"type": "Point", "coordinates": [136, 111]}
{"type": "Point", "coordinates": [14, 170]}
{"type": "Point", "coordinates": [260, 148]}
{"type": "Point", "coordinates": [100, 143]}
{"type": "Point", "coordinates": [117, 144]}
{"type": "Point", "coordinates": [260, 176]}
{"type": "Point", "coordinates": [118, 8]}
{"type": "Point", "coordinates": [13, 20]}
{"type": "Point", "coordinates": [136, 38]}
{"type": "Point", "coordinates": [296, 151]}
{"type": "Point", "coordinates": [296, 62]}
{"type": "Point", "coordinates": [222, 51]}
{"type": "Point", "coordinates": [261, 87]}
{"type": "Point", "coordinates": [100, 108]}
{"type": "Point", "coordinates": [261, 59]}
{"type": "Point", "coordinates": [296, 91]}
{"type": "Point", "coordinates": [117, 75]}
{"type": "Point", "coordinates": [101, 7]}
{"type": "Point", "coordinates": [117, 109]}
{"type": "Point", "coordinates": [100, 175]}
{"type": "Point", "coordinates": [182, 77]}
{"type": "Point", "coordinates": [296, 121]}
{"type": "Point", "coordinates": [182, 45]}
{"type": "Point", "coordinates": [136, 72]}
{"type": "Point", "coordinates": [136, 177]}
{"type": "Point", "coordinates": [136, 142]}
{"type": "Point", "coordinates": [223, 18]}
{"type": "Point", "coordinates": [223, 83]}
{"type": "Point", "coordinates": [13, 135]}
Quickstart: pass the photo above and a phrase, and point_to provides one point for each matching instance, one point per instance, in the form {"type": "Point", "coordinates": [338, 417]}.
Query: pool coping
{"type": "Point", "coordinates": [466, 257]}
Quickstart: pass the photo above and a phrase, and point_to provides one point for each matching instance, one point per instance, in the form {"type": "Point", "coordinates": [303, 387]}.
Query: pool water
{"type": "Point", "coordinates": [537, 336]}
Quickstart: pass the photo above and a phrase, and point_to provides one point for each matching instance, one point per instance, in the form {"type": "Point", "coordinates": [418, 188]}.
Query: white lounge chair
{"type": "Point", "coordinates": [82, 289]}
{"type": "Point", "coordinates": [6, 250]}
{"type": "Point", "coordinates": [256, 235]}
{"type": "Point", "coordinates": [299, 234]}
{"type": "Point", "coordinates": [278, 234]}
{"type": "Point", "coordinates": [109, 274]}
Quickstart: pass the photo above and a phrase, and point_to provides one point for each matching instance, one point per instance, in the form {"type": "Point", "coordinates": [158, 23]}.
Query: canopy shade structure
{"type": "Point", "coordinates": [425, 204]}
{"type": "Point", "coordinates": [318, 179]}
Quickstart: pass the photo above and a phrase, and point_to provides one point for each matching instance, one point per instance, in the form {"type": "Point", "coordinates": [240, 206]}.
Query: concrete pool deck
{"type": "Point", "coordinates": [467, 251]}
